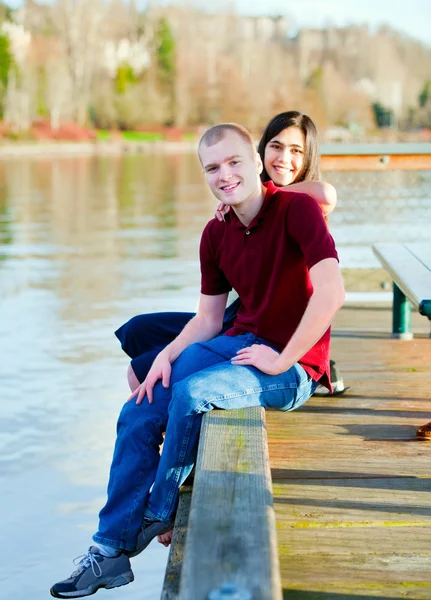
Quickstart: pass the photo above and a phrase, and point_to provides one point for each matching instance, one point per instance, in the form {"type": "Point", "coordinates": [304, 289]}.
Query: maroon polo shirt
{"type": "Point", "coordinates": [268, 263]}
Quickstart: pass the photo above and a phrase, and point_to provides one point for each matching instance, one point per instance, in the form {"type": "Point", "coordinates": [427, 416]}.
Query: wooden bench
{"type": "Point", "coordinates": [409, 265]}
{"type": "Point", "coordinates": [227, 546]}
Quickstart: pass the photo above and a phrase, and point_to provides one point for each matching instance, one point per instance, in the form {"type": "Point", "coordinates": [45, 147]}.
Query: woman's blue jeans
{"type": "Point", "coordinates": [144, 483]}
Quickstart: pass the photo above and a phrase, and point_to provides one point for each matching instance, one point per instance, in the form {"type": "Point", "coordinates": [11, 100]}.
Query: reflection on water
{"type": "Point", "coordinates": [85, 243]}
{"type": "Point", "coordinates": [392, 206]}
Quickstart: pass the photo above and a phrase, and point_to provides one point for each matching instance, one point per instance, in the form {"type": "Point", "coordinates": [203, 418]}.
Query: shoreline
{"type": "Point", "coordinates": [91, 148]}
{"type": "Point", "coordinates": [117, 148]}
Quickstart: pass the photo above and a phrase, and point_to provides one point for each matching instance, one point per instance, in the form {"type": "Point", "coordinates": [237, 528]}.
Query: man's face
{"type": "Point", "coordinates": [231, 169]}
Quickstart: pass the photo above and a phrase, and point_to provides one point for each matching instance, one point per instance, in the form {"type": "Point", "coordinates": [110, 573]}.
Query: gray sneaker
{"type": "Point", "coordinates": [149, 531]}
{"type": "Point", "coordinates": [94, 571]}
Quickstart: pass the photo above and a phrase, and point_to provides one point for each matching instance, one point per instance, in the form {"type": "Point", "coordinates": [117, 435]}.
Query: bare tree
{"type": "Point", "coordinates": [79, 24]}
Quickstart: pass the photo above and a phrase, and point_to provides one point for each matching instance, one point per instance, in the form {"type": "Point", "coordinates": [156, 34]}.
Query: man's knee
{"type": "Point", "coordinates": [141, 421]}
{"type": "Point", "coordinates": [188, 396]}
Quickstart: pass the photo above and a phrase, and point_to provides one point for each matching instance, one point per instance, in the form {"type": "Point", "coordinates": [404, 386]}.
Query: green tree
{"type": "Point", "coordinates": [6, 62]}
{"type": "Point", "coordinates": [165, 54]}
{"type": "Point", "coordinates": [315, 79]}
{"type": "Point", "coordinates": [125, 76]}
{"type": "Point", "coordinates": [384, 116]}
{"type": "Point", "coordinates": [425, 93]}
{"type": "Point", "coordinates": [165, 51]}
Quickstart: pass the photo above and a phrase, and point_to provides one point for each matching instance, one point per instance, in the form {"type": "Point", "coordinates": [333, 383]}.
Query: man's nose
{"type": "Point", "coordinates": [225, 172]}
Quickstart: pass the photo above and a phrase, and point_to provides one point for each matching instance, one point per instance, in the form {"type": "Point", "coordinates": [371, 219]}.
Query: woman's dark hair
{"type": "Point", "coordinates": [310, 170]}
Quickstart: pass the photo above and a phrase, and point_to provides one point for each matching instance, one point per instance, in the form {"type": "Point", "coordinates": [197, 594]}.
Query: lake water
{"type": "Point", "coordinates": [85, 243]}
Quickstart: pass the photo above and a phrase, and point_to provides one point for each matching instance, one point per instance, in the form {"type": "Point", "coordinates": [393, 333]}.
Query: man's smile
{"type": "Point", "coordinates": [230, 187]}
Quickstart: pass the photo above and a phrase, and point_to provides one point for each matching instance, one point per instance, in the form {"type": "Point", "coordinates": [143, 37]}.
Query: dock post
{"type": "Point", "coordinates": [401, 315]}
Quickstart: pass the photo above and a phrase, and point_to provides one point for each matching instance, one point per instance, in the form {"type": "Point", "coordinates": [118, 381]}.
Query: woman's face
{"type": "Point", "coordinates": [284, 156]}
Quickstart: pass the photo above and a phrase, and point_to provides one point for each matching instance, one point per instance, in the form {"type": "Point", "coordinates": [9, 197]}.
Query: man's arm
{"type": "Point", "coordinates": [205, 325]}
{"type": "Point", "coordinates": [324, 193]}
{"type": "Point", "coordinates": [326, 300]}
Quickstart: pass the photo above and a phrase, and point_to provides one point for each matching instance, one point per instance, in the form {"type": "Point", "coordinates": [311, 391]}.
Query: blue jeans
{"type": "Point", "coordinates": [144, 336]}
{"type": "Point", "coordinates": [202, 378]}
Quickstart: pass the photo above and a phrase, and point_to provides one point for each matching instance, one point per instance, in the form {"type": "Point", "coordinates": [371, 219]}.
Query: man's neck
{"type": "Point", "coordinates": [247, 210]}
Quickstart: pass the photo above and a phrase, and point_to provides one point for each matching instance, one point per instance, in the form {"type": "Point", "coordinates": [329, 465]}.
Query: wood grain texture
{"type": "Point", "coordinates": [232, 535]}
{"type": "Point", "coordinates": [351, 482]}
{"type": "Point", "coordinates": [363, 162]}
{"type": "Point", "coordinates": [171, 584]}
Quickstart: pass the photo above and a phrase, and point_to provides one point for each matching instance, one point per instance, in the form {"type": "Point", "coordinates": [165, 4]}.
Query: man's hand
{"type": "Point", "coordinates": [260, 356]}
{"type": "Point", "coordinates": [222, 209]}
{"type": "Point", "coordinates": [160, 369]}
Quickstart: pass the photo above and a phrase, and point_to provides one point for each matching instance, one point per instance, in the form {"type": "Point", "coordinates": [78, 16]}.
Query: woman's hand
{"type": "Point", "coordinates": [222, 209]}
{"type": "Point", "coordinates": [160, 369]}
{"type": "Point", "coordinates": [260, 356]}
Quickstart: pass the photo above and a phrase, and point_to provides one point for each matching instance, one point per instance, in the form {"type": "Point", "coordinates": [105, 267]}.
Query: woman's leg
{"type": "Point", "coordinates": [144, 336]}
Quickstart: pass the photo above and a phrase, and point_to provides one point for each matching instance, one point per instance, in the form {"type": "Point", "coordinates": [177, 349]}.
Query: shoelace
{"type": "Point", "coordinates": [86, 560]}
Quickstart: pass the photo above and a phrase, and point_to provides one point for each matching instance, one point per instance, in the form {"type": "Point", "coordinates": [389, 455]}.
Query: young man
{"type": "Point", "coordinates": [276, 251]}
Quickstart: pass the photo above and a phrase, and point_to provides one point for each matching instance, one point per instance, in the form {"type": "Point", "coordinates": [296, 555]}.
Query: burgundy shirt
{"type": "Point", "coordinates": [268, 263]}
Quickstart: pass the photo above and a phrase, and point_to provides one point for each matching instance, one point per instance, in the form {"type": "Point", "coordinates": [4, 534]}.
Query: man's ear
{"type": "Point", "coordinates": [259, 163]}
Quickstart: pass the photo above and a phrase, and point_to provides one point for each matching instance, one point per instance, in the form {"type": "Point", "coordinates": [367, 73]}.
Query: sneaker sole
{"type": "Point", "coordinates": [119, 581]}
{"type": "Point", "coordinates": [133, 553]}
{"type": "Point", "coordinates": [335, 393]}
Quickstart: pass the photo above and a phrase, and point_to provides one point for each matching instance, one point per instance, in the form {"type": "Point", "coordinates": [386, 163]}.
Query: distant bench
{"type": "Point", "coordinates": [409, 265]}
{"type": "Point", "coordinates": [226, 547]}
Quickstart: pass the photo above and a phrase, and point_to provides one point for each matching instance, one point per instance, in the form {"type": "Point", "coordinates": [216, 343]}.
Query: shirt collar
{"type": "Point", "coordinates": [271, 189]}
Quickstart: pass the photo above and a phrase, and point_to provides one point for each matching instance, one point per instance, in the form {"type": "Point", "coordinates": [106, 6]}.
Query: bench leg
{"type": "Point", "coordinates": [401, 311]}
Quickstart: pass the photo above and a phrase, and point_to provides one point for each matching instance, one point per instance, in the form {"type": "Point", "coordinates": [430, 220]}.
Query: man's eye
{"type": "Point", "coordinates": [211, 169]}
{"type": "Point", "coordinates": [234, 162]}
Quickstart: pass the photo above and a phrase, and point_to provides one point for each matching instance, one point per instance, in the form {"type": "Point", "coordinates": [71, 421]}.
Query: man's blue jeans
{"type": "Point", "coordinates": [202, 378]}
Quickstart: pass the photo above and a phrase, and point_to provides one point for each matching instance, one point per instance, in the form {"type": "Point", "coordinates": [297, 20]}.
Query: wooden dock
{"type": "Point", "coordinates": [351, 483]}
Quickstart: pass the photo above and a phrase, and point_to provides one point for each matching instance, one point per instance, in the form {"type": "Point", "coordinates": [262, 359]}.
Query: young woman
{"type": "Point", "coordinates": [290, 155]}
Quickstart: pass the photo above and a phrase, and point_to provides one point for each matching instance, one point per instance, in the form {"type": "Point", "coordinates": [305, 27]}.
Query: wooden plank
{"type": "Point", "coordinates": [422, 251]}
{"type": "Point", "coordinates": [171, 584]}
{"type": "Point", "coordinates": [351, 483]}
{"type": "Point", "coordinates": [346, 503]}
{"type": "Point", "coordinates": [410, 274]}
{"type": "Point", "coordinates": [358, 574]}
{"type": "Point", "coordinates": [375, 148]}
{"type": "Point", "coordinates": [341, 538]}
{"type": "Point", "coordinates": [232, 534]}
{"type": "Point", "coordinates": [371, 162]}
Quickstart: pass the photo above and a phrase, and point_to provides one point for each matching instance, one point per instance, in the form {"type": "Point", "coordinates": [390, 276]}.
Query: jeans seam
{"type": "Point", "coordinates": [138, 487]}
{"type": "Point", "coordinates": [270, 388]}
{"type": "Point", "coordinates": [175, 478]}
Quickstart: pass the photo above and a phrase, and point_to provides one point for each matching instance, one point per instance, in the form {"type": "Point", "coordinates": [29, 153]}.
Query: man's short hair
{"type": "Point", "coordinates": [216, 133]}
